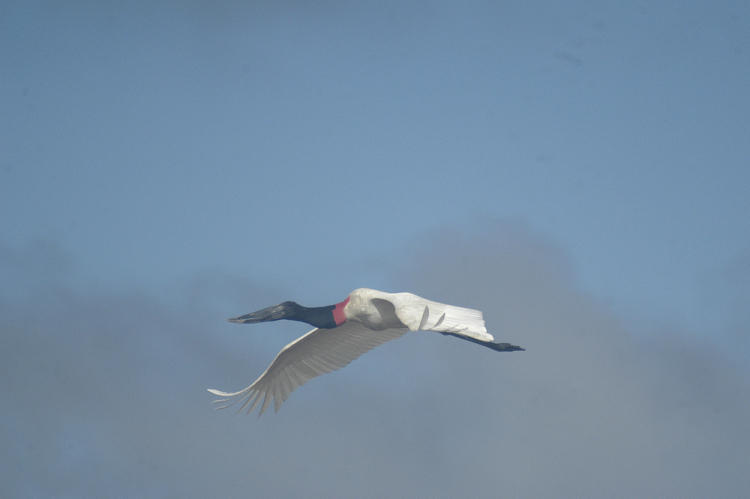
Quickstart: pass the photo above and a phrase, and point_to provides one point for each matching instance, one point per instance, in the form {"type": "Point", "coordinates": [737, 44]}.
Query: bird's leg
{"type": "Point", "coordinates": [498, 347]}
{"type": "Point", "coordinates": [503, 347]}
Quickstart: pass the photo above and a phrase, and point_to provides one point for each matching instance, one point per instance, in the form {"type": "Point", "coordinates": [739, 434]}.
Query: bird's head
{"type": "Point", "coordinates": [327, 317]}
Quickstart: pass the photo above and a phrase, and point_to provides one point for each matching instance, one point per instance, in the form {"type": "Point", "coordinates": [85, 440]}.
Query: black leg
{"type": "Point", "coordinates": [498, 347]}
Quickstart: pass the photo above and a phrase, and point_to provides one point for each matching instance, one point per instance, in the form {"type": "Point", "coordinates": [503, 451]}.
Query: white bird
{"type": "Point", "coordinates": [366, 319]}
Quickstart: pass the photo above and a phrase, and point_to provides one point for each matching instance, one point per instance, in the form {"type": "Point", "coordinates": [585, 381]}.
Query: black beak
{"type": "Point", "coordinates": [284, 310]}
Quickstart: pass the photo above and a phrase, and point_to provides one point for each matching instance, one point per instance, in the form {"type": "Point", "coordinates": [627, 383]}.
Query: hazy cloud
{"type": "Point", "coordinates": [105, 393]}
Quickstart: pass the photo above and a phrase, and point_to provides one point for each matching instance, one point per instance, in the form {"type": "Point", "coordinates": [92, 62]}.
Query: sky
{"type": "Point", "coordinates": [577, 170]}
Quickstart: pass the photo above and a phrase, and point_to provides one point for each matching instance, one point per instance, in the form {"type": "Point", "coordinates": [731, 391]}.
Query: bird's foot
{"type": "Point", "coordinates": [505, 347]}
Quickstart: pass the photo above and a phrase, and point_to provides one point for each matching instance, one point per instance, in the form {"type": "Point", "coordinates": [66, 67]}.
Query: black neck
{"type": "Point", "coordinates": [321, 317]}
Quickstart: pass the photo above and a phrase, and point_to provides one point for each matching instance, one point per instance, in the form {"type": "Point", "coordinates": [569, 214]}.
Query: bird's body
{"type": "Point", "coordinates": [366, 319]}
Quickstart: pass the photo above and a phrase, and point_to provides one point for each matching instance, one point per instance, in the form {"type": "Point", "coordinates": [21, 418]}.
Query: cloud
{"type": "Point", "coordinates": [590, 409]}
{"type": "Point", "coordinates": [105, 392]}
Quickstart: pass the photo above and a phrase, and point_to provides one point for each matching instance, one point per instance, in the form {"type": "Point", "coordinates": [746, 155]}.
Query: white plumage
{"type": "Point", "coordinates": [370, 318]}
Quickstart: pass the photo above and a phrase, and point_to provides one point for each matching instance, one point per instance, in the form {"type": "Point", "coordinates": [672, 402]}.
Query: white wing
{"type": "Point", "coordinates": [318, 352]}
{"type": "Point", "coordinates": [420, 314]}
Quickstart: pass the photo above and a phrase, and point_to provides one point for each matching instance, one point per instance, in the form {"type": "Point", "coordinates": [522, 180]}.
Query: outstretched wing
{"type": "Point", "coordinates": [318, 352]}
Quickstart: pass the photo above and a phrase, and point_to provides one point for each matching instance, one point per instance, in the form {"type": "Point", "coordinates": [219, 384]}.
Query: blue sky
{"type": "Point", "coordinates": [151, 141]}
{"type": "Point", "coordinates": [292, 150]}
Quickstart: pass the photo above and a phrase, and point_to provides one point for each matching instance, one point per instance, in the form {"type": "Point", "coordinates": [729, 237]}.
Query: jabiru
{"type": "Point", "coordinates": [344, 331]}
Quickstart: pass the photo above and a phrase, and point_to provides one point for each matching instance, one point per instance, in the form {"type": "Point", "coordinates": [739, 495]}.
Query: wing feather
{"type": "Point", "coordinates": [318, 352]}
{"type": "Point", "coordinates": [418, 313]}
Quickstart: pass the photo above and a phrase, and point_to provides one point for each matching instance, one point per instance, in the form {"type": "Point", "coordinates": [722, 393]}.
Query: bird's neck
{"type": "Point", "coordinates": [327, 317]}
{"type": "Point", "coordinates": [339, 316]}
{"type": "Point", "coordinates": [321, 317]}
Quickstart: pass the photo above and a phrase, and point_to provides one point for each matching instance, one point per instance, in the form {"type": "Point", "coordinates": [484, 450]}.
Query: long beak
{"type": "Point", "coordinates": [274, 313]}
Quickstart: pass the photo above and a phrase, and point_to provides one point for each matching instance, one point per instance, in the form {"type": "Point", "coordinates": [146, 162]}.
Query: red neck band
{"type": "Point", "coordinates": [338, 312]}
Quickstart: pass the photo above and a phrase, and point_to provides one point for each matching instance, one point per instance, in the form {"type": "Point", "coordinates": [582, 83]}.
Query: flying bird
{"type": "Point", "coordinates": [366, 319]}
